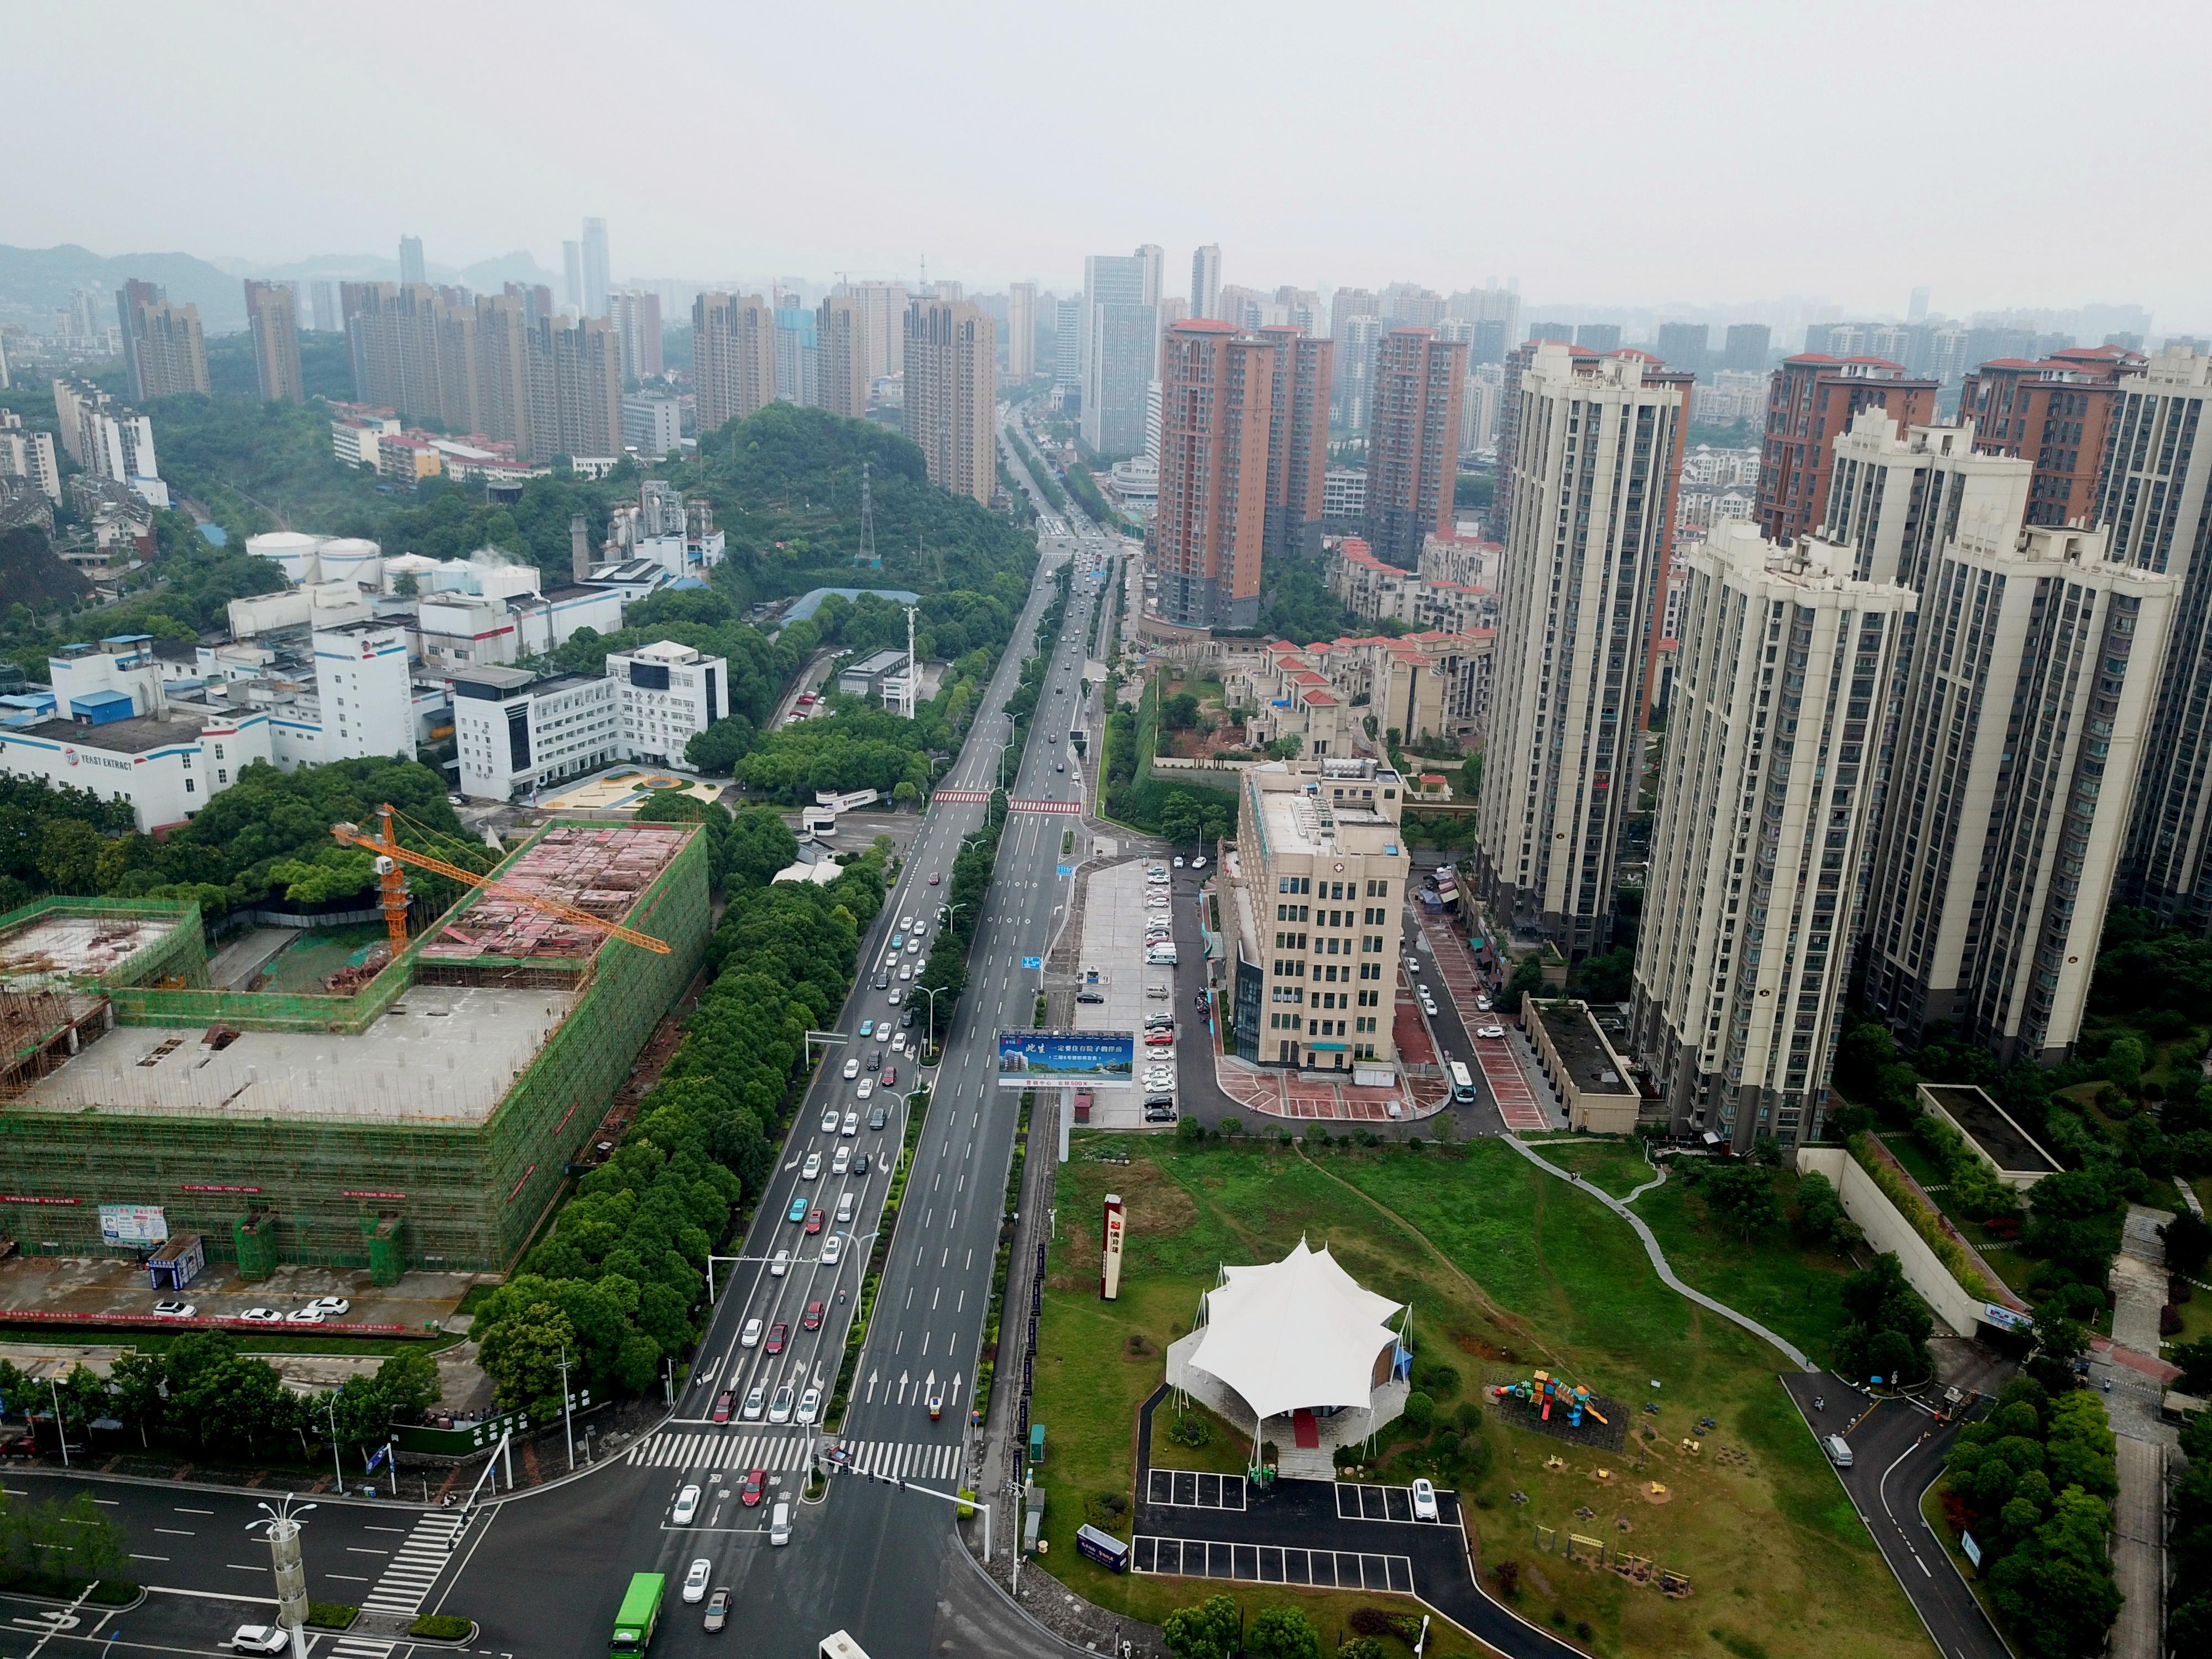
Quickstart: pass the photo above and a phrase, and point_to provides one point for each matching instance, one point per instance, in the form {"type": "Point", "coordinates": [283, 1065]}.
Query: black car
{"type": "Point", "coordinates": [906, 1020]}
{"type": "Point", "coordinates": [882, 979]}
{"type": "Point", "coordinates": [878, 1118]}
{"type": "Point", "coordinates": [1167, 1101]}
{"type": "Point", "coordinates": [861, 1164]}
{"type": "Point", "coordinates": [1089, 996]}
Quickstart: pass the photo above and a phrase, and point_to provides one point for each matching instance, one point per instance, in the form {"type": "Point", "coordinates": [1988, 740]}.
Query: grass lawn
{"type": "Point", "coordinates": [1506, 1268]}
{"type": "Point", "coordinates": [1610, 1163]}
{"type": "Point", "coordinates": [1931, 1511]}
{"type": "Point", "coordinates": [1786, 1287]}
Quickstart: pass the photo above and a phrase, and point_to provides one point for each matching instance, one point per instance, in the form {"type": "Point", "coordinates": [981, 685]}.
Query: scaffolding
{"type": "Point", "coordinates": [362, 1192]}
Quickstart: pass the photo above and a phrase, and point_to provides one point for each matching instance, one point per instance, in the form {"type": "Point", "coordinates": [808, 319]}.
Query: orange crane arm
{"type": "Point", "coordinates": [390, 847]}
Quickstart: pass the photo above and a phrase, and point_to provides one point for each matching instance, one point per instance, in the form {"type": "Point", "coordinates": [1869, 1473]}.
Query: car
{"type": "Point", "coordinates": [1159, 1100]}
{"type": "Point", "coordinates": [898, 941]}
{"type": "Point", "coordinates": [1159, 1080]}
{"type": "Point", "coordinates": [750, 1337]}
{"type": "Point", "coordinates": [725, 1402]}
{"type": "Point", "coordinates": [936, 1405]}
{"type": "Point", "coordinates": [1482, 1004]}
{"type": "Point", "coordinates": [829, 1122]}
{"type": "Point", "coordinates": [1159, 959]}
{"type": "Point", "coordinates": [833, 1248]}
{"type": "Point", "coordinates": [878, 1118]}
{"type": "Point", "coordinates": [1054, 738]}
{"type": "Point", "coordinates": [781, 1266]}
{"type": "Point", "coordinates": [935, 876]}
{"type": "Point", "coordinates": [861, 1163]}
{"type": "Point", "coordinates": [695, 1580]}
{"type": "Point", "coordinates": [867, 1087]}
{"type": "Point", "coordinates": [261, 1316]}
{"type": "Point", "coordinates": [756, 1403]}
{"type": "Point", "coordinates": [1425, 1500]}
{"type": "Point", "coordinates": [842, 1162]}
{"type": "Point", "coordinates": [866, 1026]}
{"type": "Point", "coordinates": [781, 1411]}
{"type": "Point", "coordinates": [1490, 1030]}
{"type": "Point", "coordinates": [814, 1220]}
{"type": "Point", "coordinates": [906, 971]}
{"type": "Point", "coordinates": [260, 1638]}
{"type": "Point", "coordinates": [811, 1319]}
{"type": "Point", "coordinates": [913, 945]}
{"type": "Point", "coordinates": [894, 997]}
{"type": "Point", "coordinates": [813, 1168]}
{"type": "Point", "coordinates": [756, 1484]}
{"type": "Point", "coordinates": [809, 1406]}
{"type": "Point", "coordinates": [1155, 1039]}
{"type": "Point", "coordinates": [906, 924]}
{"type": "Point", "coordinates": [889, 1078]}
{"type": "Point", "coordinates": [798, 1210]}
{"type": "Point", "coordinates": [718, 1609]}
{"type": "Point", "coordinates": [1060, 766]}
{"type": "Point", "coordinates": [1199, 863]}
{"type": "Point", "coordinates": [851, 1068]}
{"type": "Point", "coordinates": [906, 1020]}
{"type": "Point", "coordinates": [1160, 1022]}
{"type": "Point", "coordinates": [1159, 1114]}
{"type": "Point", "coordinates": [845, 1201]}
{"type": "Point", "coordinates": [686, 1509]}
{"type": "Point", "coordinates": [1178, 860]}
{"type": "Point", "coordinates": [898, 1042]}
{"type": "Point", "coordinates": [174, 1309]}
{"type": "Point", "coordinates": [778, 1334]}
{"type": "Point", "coordinates": [1089, 996]}
{"type": "Point", "coordinates": [849, 1124]}
{"type": "Point", "coordinates": [883, 978]}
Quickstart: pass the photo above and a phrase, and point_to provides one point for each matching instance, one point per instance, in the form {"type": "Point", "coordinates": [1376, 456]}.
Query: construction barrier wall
{"type": "Point", "coordinates": [464, 1197]}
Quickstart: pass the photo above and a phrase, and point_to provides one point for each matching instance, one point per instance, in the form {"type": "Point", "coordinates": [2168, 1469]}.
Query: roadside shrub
{"type": "Point", "coordinates": [330, 1616]}
{"type": "Point", "coordinates": [1191, 1429]}
{"type": "Point", "coordinates": [1420, 1411]}
{"type": "Point", "coordinates": [1109, 1511]}
{"type": "Point", "coordinates": [1281, 1631]}
{"type": "Point", "coordinates": [1438, 1378]}
{"type": "Point", "coordinates": [440, 1627]}
{"type": "Point", "coordinates": [1506, 1576]}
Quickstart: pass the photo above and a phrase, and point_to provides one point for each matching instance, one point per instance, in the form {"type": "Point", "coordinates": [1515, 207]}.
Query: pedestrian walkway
{"type": "Point", "coordinates": [2139, 1511]}
{"type": "Point", "coordinates": [1064, 808]}
{"type": "Point", "coordinates": [960, 797]}
{"type": "Point", "coordinates": [407, 1582]}
{"type": "Point", "coordinates": [675, 1449]}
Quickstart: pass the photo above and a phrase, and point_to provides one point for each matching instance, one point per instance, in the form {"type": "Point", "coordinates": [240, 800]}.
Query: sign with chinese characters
{"type": "Point", "coordinates": [1109, 1272]}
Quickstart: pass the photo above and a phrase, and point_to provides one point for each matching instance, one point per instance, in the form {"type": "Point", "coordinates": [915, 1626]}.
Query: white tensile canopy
{"type": "Point", "coordinates": [1297, 1333]}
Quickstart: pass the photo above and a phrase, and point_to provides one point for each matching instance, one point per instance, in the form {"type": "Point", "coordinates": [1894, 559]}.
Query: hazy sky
{"type": "Point", "coordinates": [2028, 154]}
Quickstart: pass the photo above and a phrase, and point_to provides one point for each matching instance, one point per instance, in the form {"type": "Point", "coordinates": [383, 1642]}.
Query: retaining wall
{"type": "Point", "coordinates": [1887, 1229]}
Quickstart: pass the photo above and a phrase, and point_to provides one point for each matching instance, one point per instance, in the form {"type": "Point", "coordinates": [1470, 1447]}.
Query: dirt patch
{"type": "Point", "coordinates": [1483, 1348]}
{"type": "Point", "coordinates": [1656, 1491]}
{"type": "Point", "coordinates": [1151, 1202]}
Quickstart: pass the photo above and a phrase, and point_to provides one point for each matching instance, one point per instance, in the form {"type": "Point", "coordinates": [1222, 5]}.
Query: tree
{"type": "Point", "coordinates": [522, 1356]}
{"type": "Point", "coordinates": [2074, 1221]}
{"type": "Point", "coordinates": [410, 1381]}
{"type": "Point", "coordinates": [1211, 1630]}
{"type": "Point", "coordinates": [1281, 1631]}
{"type": "Point", "coordinates": [2124, 1064]}
{"type": "Point", "coordinates": [1527, 981]}
{"type": "Point", "coordinates": [2188, 1243]}
{"type": "Point", "coordinates": [1606, 978]}
{"type": "Point", "coordinates": [1741, 1197]}
{"type": "Point", "coordinates": [1180, 711]}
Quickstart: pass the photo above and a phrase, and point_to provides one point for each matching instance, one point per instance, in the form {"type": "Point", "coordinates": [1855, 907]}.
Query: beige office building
{"type": "Point", "coordinates": [733, 357]}
{"type": "Point", "coordinates": [951, 361]}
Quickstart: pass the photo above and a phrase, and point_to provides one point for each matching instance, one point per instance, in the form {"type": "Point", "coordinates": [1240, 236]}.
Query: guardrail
{"type": "Point", "coordinates": [204, 1322]}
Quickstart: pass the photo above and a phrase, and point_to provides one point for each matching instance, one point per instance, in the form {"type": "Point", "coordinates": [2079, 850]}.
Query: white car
{"type": "Point", "coordinates": [832, 1247]}
{"type": "Point", "coordinates": [906, 971]}
{"type": "Point", "coordinates": [895, 996]}
{"type": "Point", "coordinates": [695, 1582]}
{"type": "Point", "coordinates": [829, 1122]}
{"type": "Point", "coordinates": [751, 1336]}
{"type": "Point", "coordinates": [1425, 1500]}
{"type": "Point", "coordinates": [756, 1403]}
{"type": "Point", "coordinates": [842, 1162]}
{"type": "Point", "coordinates": [813, 1168]}
{"type": "Point", "coordinates": [1178, 860]}
{"type": "Point", "coordinates": [851, 1125]}
{"type": "Point", "coordinates": [810, 1406]}
{"type": "Point", "coordinates": [781, 1411]}
{"type": "Point", "coordinates": [687, 1507]}
{"type": "Point", "coordinates": [898, 1042]}
{"type": "Point", "coordinates": [851, 1068]}
{"type": "Point", "coordinates": [309, 1315]}
{"type": "Point", "coordinates": [906, 924]}
{"type": "Point", "coordinates": [261, 1638]}
{"type": "Point", "coordinates": [174, 1311]}
{"type": "Point", "coordinates": [331, 1307]}
{"type": "Point", "coordinates": [261, 1316]}
{"type": "Point", "coordinates": [867, 1087]}
{"type": "Point", "coordinates": [913, 945]}
{"type": "Point", "coordinates": [1199, 863]}
{"type": "Point", "coordinates": [781, 1266]}
{"type": "Point", "coordinates": [1483, 1003]}
{"type": "Point", "coordinates": [1490, 1030]}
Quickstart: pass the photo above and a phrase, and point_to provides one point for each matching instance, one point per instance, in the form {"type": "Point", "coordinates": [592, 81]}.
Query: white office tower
{"type": "Point", "coordinates": [1896, 499]}
{"type": "Point", "coordinates": [2154, 501]}
{"type": "Point", "coordinates": [1582, 574]}
{"type": "Point", "coordinates": [2035, 673]}
{"type": "Point", "coordinates": [1763, 835]}
{"type": "Point", "coordinates": [365, 690]}
{"type": "Point", "coordinates": [1205, 281]}
{"type": "Point", "coordinates": [1021, 333]}
{"type": "Point", "coordinates": [1119, 347]}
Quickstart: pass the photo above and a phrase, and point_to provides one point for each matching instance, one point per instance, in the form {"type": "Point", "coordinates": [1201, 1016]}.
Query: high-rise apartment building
{"type": "Point", "coordinates": [1021, 333]}
{"type": "Point", "coordinates": [106, 439]}
{"type": "Point", "coordinates": [1205, 281]}
{"type": "Point", "coordinates": [951, 361]}
{"type": "Point", "coordinates": [1896, 497]}
{"type": "Point", "coordinates": [1684, 345]}
{"type": "Point", "coordinates": [272, 318]}
{"type": "Point", "coordinates": [1299, 307]}
{"type": "Point", "coordinates": [798, 362]}
{"type": "Point", "coordinates": [840, 344]}
{"type": "Point", "coordinates": [635, 313]}
{"type": "Point", "coordinates": [1411, 306]}
{"type": "Point", "coordinates": [326, 308]}
{"type": "Point", "coordinates": [1599, 336]}
{"type": "Point", "coordinates": [1310, 905]}
{"type": "Point", "coordinates": [1297, 440]}
{"type": "Point", "coordinates": [1346, 303]}
{"type": "Point", "coordinates": [587, 383]}
{"type": "Point", "coordinates": [596, 278]}
{"type": "Point", "coordinates": [1596, 450]}
{"type": "Point", "coordinates": [733, 357]}
{"type": "Point", "coordinates": [1763, 834]}
{"type": "Point", "coordinates": [882, 309]}
{"type": "Point", "coordinates": [2054, 413]}
{"type": "Point", "coordinates": [1496, 313]}
{"type": "Point", "coordinates": [2035, 669]}
{"type": "Point", "coordinates": [1068, 345]}
{"type": "Point", "coordinates": [572, 277]}
{"type": "Point", "coordinates": [1746, 347]}
{"type": "Point", "coordinates": [1356, 342]}
{"type": "Point", "coordinates": [1119, 345]}
{"type": "Point", "coordinates": [1210, 529]}
{"type": "Point", "coordinates": [1412, 441]}
{"type": "Point", "coordinates": [412, 270]}
{"type": "Point", "coordinates": [1813, 398]}
{"type": "Point", "coordinates": [163, 352]}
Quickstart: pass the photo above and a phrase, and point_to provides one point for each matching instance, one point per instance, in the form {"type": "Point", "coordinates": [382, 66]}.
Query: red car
{"type": "Point", "coordinates": [724, 1403]}
{"type": "Point", "coordinates": [813, 1225]}
{"type": "Point", "coordinates": [890, 1076]}
{"type": "Point", "coordinates": [811, 1320]}
{"type": "Point", "coordinates": [777, 1333]}
{"type": "Point", "coordinates": [750, 1497]}
{"type": "Point", "coordinates": [935, 876]}
{"type": "Point", "coordinates": [1159, 1039]}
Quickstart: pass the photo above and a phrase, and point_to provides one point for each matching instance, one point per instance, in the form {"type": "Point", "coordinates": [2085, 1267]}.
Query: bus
{"type": "Point", "coordinates": [1462, 1082]}
{"type": "Point", "coordinates": [640, 1612]}
{"type": "Point", "coordinates": [839, 1645]}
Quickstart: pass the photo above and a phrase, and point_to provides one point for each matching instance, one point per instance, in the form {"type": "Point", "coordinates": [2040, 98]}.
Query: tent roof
{"type": "Point", "coordinates": [1295, 1333]}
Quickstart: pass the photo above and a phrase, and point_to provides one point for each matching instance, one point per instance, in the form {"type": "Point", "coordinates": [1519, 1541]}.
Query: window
{"type": "Point", "coordinates": [188, 786]}
{"type": "Point", "coordinates": [222, 774]}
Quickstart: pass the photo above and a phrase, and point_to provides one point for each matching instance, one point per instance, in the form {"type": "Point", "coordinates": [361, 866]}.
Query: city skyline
{"type": "Point", "coordinates": [1817, 223]}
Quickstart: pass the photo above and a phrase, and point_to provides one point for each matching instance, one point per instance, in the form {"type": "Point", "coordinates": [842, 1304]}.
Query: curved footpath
{"type": "Point", "coordinates": [1619, 1207]}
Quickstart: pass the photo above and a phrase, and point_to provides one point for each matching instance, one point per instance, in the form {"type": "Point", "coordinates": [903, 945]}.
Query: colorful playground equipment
{"type": "Point", "coordinates": [1544, 1391]}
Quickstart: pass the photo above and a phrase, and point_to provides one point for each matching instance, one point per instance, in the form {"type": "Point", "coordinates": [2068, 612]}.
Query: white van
{"type": "Point", "coordinates": [1839, 1451]}
{"type": "Point", "coordinates": [1155, 989]}
{"type": "Point", "coordinates": [779, 1526]}
{"type": "Point", "coordinates": [845, 1207]}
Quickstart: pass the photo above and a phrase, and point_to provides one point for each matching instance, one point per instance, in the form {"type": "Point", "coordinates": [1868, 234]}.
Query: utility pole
{"type": "Point", "coordinates": [567, 1413]}
{"type": "Point", "coordinates": [330, 1404]}
{"type": "Point", "coordinates": [61, 1428]}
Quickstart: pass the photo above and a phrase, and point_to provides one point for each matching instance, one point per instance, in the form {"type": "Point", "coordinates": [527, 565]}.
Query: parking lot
{"type": "Point", "coordinates": [1114, 983]}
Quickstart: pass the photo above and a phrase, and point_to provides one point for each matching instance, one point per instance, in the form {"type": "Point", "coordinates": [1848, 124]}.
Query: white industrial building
{"type": "Point", "coordinates": [518, 732]}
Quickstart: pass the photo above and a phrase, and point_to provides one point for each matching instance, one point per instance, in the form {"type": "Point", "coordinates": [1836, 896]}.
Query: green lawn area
{"type": "Point", "coordinates": [1795, 1291]}
{"type": "Point", "coordinates": [1609, 1163]}
{"type": "Point", "coordinates": [1506, 1268]}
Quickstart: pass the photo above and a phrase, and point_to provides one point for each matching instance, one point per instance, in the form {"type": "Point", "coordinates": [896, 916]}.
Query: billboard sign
{"type": "Point", "coordinates": [133, 1224]}
{"type": "Point", "coordinates": [1109, 1272]}
{"type": "Point", "coordinates": [2006, 1319]}
{"type": "Point", "coordinates": [1067, 1059]}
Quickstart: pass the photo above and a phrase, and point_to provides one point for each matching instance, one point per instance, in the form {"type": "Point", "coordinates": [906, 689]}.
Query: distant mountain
{"type": "Point", "coordinates": [35, 281]}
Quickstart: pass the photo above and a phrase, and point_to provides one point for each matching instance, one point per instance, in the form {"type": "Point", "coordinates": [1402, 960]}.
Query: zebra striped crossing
{"type": "Point", "coordinates": [406, 1583]}
{"type": "Point", "coordinates": [781, 1453]}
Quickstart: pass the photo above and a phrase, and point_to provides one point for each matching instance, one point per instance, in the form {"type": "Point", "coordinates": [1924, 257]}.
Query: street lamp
{"type": "Point", "coordinates": [932, 995]}
{"type": "Point", "coordinates": [283, 1535]}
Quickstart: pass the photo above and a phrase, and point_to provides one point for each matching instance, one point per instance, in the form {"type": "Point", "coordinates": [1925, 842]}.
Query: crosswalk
{"type": "Point", "coordinates": [406, 1583]}
{"type": "Point", "coordinates": [1067, 808]}
{"type": "Point", "coordinates": [780, 1453]}
{"type": "Point", "coordinates": [960, 797]}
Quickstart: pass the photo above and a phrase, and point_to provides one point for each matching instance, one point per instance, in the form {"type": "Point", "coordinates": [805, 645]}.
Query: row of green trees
{"type": "Point", "coordinates": [615, 1288]}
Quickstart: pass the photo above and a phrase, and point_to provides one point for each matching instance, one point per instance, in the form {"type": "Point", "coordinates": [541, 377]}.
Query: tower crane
{"type": "Point", "coordinates": [392, 882]}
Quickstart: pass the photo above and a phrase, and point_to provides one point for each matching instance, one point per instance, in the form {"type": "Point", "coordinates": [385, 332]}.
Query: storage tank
{"type": "Point", "coordinates": [295, 552]}
{"type": "Point", "coordinates": [353, 559]}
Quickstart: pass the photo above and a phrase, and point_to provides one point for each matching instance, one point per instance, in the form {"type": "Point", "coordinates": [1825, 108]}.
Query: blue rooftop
{"type": "Point", "coordinates": [216, 534]}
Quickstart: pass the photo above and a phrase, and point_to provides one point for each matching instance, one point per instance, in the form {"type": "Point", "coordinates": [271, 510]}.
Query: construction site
{"type": "Point", "coordinates": [420, 1113]}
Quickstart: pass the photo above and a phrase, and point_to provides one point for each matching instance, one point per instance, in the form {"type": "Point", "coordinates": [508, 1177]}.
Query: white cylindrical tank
{"type": "Point", "coordinates": [352, 558]}
{"type": "Point", "coordinates": [295, 551]}
{"type": "Point", "coordinates": [507, 581]}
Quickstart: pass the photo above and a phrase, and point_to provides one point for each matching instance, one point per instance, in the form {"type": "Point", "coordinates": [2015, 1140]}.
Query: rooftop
{"type": "Point", "coordinates": [1582, 1049]}
{"type": "Point", "coordinates": [600, 870]}
{"type": "Point", "coordinates": [136, 736]}
{"type": "Point", "coordinates": [57, 947]}
{"type": "Point", "coordinates": [1990, 1126]}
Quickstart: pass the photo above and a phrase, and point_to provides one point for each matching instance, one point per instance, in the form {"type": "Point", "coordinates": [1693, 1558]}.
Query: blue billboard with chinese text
{"type": "Point", "coordinates": [1067, 1060]}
